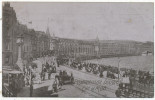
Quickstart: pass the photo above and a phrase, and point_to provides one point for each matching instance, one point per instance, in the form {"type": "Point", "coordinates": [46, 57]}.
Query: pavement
{"type": "Point", "coordinates": [41, 90]}
{"type": "Point", "coordinates": [24, 92]}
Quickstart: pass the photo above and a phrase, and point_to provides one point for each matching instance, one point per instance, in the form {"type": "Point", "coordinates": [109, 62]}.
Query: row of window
{"type": "Point", "coordinates": [77, 50]}
{"type": "Point", "coordinates": [26, 48]}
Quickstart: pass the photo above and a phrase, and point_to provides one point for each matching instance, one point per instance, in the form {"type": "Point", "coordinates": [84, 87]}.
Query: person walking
{"type": "Point", "coordinates": [55, 85]}
{"type": "Point", "coordinates": [49, 72]}
{"type": "Point", "coordinates": [101, 73]}
{"type": "Point", "coordinates": [31, 88]}
{"type": "Point", "coordinates": [58, 63]}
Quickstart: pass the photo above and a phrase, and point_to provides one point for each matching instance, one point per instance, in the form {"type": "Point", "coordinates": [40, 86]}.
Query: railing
{"type": "Point", "coordinates": [6, 92]}
{"type": "Point", "coordinates": [138, 90]}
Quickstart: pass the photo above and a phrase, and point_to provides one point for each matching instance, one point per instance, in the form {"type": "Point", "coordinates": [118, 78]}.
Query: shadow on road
{"type": "Point", "coordinates": [43, 92]}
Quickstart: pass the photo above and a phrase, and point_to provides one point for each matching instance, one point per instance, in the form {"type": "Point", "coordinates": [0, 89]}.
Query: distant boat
{"type": "Point", "coordinates": [146, 53]}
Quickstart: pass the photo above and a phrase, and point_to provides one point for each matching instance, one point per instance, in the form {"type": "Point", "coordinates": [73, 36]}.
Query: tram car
{"type": "Point", "coordinates": [13, 82]}
{"type": "Point", "coordinates": [67, 79]}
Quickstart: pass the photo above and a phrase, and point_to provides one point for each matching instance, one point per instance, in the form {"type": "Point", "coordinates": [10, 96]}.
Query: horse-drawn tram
{"type": "Point", "coordinates": [13, 82]}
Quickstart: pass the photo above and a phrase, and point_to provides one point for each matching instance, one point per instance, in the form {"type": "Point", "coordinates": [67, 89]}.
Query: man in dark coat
{"type": "Point", "coordinates": [118, 93]}
{"type": "Point", "coordinates": [31, 89]}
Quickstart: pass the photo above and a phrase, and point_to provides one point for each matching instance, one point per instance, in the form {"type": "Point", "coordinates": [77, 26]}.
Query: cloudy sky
{"type": "Point", "coordinates": [110, 21]}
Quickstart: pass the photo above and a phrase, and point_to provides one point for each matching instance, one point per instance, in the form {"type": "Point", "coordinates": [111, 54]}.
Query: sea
{"type": "Point", "coordinates": [144, 63]}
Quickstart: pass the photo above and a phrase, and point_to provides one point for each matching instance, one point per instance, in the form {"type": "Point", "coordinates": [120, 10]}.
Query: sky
{"type": "Point", "coordinates": [108, 21]}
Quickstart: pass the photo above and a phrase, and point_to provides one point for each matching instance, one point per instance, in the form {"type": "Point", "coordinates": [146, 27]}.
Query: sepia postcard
{"type": "Point", "coordinates": [78, 49]}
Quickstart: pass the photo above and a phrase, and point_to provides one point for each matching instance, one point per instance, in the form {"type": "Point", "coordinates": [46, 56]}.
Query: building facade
{"type": "Point", "coordinates": [76, 48]}
{"type": "Point", "coordinates": [38, 43]}
{"type": "Point", "coordinates": [120, 48]}
{"type": "Point", "coordinates": [43, 43]}
{"type": "Point", "coordinates": [147, 46]}
{"type": "Point", "coordinates": [8, 34]}
{"type": "Point", "coordinates": [96, 48]}
{"type": "Point", "coordinates": [35, 43]}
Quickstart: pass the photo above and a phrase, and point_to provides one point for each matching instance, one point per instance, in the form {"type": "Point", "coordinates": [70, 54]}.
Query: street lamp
{"type": "Point", "coordinates": [118, 69]}
{"type": "Point", "coordinates": [20, 43]}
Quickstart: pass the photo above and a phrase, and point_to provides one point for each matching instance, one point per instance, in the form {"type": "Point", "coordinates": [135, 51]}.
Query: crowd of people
{"type": "Point", "coordinates": [30, 74]}
{"type": "Point", "coordinates": [112, 72]}
{"type": "Point", "coordinates": [47, 68]}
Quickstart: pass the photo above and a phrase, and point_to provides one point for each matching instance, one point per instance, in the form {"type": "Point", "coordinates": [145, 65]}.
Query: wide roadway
{"type": "Point", "coordinates": [86, 85]}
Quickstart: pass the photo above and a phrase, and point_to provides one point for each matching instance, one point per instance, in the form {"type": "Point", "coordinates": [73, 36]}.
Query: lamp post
{"type": "Point", "coordinates": [118, 68]}
{"type": "Point", "coordinates": [20, 43]}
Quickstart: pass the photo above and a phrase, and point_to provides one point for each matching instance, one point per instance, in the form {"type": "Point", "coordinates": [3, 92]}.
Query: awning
{"type": "Point", "coordinates": [11, 72]}
{"type": "Point", "coordinates": [10, 69]}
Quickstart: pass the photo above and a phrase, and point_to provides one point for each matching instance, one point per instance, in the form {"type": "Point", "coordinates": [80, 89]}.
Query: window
{"type": "Point", "coordinates": [24, 48]}
{"type": "Point", "coordinates": [7, 46]}
{"type": "Point", "coordinates": [27, 48]}
{"type": "Point", "coordinates": [6, 59]}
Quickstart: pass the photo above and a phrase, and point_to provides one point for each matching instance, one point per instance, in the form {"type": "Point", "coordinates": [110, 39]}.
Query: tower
{"type": "Point", "coordinates": [48, 36]}
{"type": "Point", "coordinates": [97, 39]}
{"type": "Point", "coordinates": [97, 46]}
{"type": "Point", "coordinates": [47, 30]}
